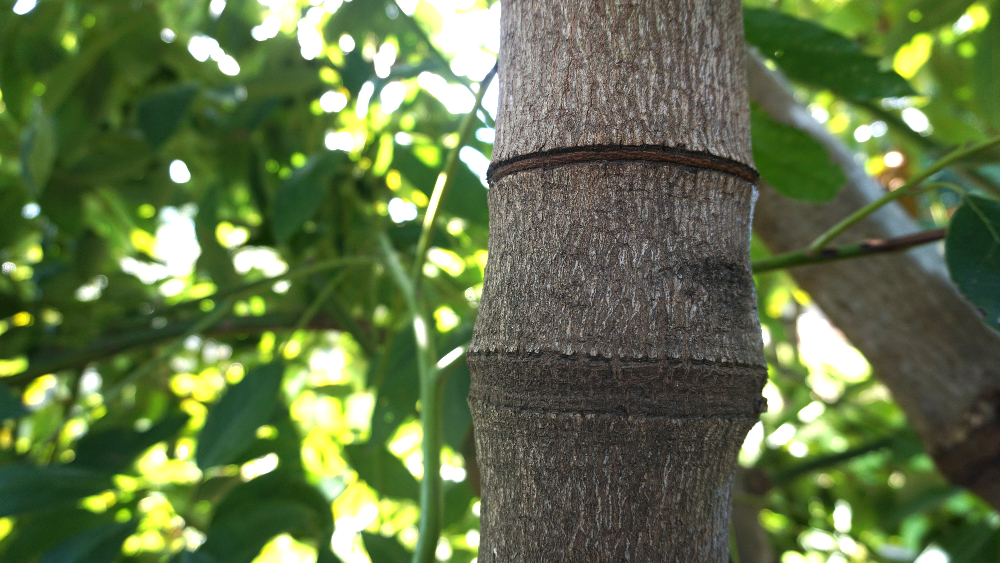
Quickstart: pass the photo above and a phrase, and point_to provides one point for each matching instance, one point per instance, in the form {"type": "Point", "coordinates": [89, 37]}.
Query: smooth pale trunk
{"type": "Point", "coordinates": [617, 360]}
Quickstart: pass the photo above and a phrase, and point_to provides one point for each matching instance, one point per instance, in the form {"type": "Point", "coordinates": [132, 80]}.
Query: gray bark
{"type": "Point", "coordinates": [616, 362]}
{"type": "Point", "coordinates": [925, 343]}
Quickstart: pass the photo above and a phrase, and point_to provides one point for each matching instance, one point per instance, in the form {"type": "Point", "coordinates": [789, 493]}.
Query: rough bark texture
{"type": "Point", "coordinates": [924, 342]}
{"type": "Point", "coordinates": [617, 361]}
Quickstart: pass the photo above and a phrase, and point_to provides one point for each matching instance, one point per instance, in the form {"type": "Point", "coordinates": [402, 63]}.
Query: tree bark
{"type": "Point", "coordinates": [924, 342]}
{"type": "Point", "coordinates": [616, 362]}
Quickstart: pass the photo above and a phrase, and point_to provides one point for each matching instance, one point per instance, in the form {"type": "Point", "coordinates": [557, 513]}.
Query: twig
{"type": "Point", "coordinates": [906, 189]}
{"type": "Point", "coordinates": [443, 183]}
{"type": "Point", "coordinates": [867, 248]}
{"type": "Point", "coordinates": [51, 361]}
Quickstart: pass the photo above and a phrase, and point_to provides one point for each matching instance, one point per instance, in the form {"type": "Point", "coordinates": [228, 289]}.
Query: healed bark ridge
{"type": "Point", "coordinates": [617, 361]}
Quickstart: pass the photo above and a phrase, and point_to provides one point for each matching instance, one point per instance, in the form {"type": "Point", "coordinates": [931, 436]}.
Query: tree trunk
{"type": "Point", "coordinates": [924, 342]}
{"type": "Point", "coordinates": [617, 361]}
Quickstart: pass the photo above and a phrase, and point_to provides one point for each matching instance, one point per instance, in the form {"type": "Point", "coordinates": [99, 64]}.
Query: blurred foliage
{"type": "Point", "coordinates": [203, 356]}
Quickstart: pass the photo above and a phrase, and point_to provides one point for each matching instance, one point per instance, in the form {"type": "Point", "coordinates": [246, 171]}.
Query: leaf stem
{"type": "Point", "coordinates": [431, 495]}
{"type": "Point", "coordinates": [867, 248]}
{"type": "Point", "coordinates": [443, 184]}
{"type": "Point", "coordinates": [906, 189]}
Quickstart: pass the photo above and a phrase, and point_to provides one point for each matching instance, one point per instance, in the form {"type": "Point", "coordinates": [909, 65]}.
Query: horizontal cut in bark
{"type": "Point", "coordinates": [649, 154]}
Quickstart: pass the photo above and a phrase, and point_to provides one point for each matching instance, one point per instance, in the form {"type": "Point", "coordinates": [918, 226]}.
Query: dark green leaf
{"type": "Point", "coordinates": [26, 488]}
{"type": "Point", "coordinates": [382, 471]}
{"type": "Point", "coordinates": [283, 485]}
{"type": "Point", "coordinates": [385, 550]}
{"type": "Point", "coordinates": [10, 404]}
{"type": "Point", "coordinates": [817, 56]}
{"type": "Point", "coordinates": [298, 197]}
{"type": "Point", "coordinates": [159, 114]}
{"type": "Point", "coordinates": [193, 557]}
{"type": "Point", "coordinates": [214, 258]}
{"type": "Point", "coordinates": [986, 67]}
{"type": "Point", "coordinates": [38, 150]}
{"type": "Point", "coordinates": [395, 376]}
{"type": "Point", "coordinates": [12, 200]}
{"type": "Point", "coordinates": [455, 410]}
{"type": "Point", "coordinates": [97, 545]}
{"type": "Point", "coordinates": [240, 537]}
{"type": "Point", "coordinates": [232, 423]}
{"type": "Point", "coordinates": [325, 555]}
{"type": "Point", "coordinates": [792, 162]}
{"type": "Point", "coordinates": [36, 533]}
{"type": "Point", "coordinates": [972, 251]}
{"type": "Point", "coordinates": [457, 501]}
{"type": "Point", "coordinates": [113, 450]}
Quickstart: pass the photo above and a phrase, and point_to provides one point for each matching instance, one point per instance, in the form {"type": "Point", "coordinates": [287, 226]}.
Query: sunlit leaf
{"type": "Point", "coordinates": [926, 15]}
{"type": "Point", "coordinates": [232, 423]}
{"type": "Point", "coordinates": [382, 471]}
{"type": "Point", "coordinates": [792, 162]}
{"type": "Point", "coordinates": [822, 58]}
{"type": "Point", "coordinates": [26, 488]}
{"type": "Point", "coordinates": [972, 251]}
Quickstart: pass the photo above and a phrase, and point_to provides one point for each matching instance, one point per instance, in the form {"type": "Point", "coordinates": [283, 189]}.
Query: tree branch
{"type": "Point", "coordinates": [925, 343]}
{"type": "Point", "coordinates": [57, 359]}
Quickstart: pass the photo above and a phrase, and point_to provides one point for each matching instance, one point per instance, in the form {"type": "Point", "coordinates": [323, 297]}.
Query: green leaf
{"type": "Point", "coordinates": [383, 549]}
{"type": "Point", "coordinates": [457, 502]}
{"type": "Point", "coordinates": [298, 197]}
{"type": "Point", "coordinates": [214, 258]}
{"type": "Point", "coordinates": [113, 450]}
{"type": "Point", "coordinates": [193, 557]}
{"type": "Point", "coordinates": [382, 471]}
{"type": "Point", "coordinates": [159, 114]}
{"type": "Point", "coordinates": [972, 252]}
{"type": "Point", "coordinates": [467, 197]}
{"type": "Point", "coordinates": [26, 488]}
{"type": "Point", "coordinates": [395, 375]}
{"type": "Point", "coordinates": [281, 484]}
{"type": "Point", "coordinates": [232, 423]}
{"type": "Point", "coordinates": [36, 533]}
{"type": "Point", "coordinates": [455, 412]}
{"type": "Point", "coordinates": [986, 70]}
{"type": "Point", "coordinates": [822, 58]}
{"type": "Point", "coordinates": [10, 404]}
{"type": "Point", "coordinates": [38, 150]}
{"type": "Point", "coordinates": [933, 14]}
{"type": "Point", "coordinates": [97, 545]}
{"type": "Point", "coordinates": [240, 537]}
{"type": "Point", "coordinates": [792, 162]}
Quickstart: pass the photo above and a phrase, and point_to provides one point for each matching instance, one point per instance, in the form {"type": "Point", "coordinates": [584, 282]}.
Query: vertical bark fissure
{"type": "Point", "coordinates": [617, 360]}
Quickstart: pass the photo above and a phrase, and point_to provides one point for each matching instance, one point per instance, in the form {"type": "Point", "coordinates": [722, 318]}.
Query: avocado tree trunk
{"type": "Point", "coordinates": [616, 362]}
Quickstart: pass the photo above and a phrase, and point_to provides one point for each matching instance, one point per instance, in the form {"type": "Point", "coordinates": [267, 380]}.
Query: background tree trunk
{"type": "Point", "coordinates": [924, 342]}
{"type": "Point", "coordinates": [617, 360]}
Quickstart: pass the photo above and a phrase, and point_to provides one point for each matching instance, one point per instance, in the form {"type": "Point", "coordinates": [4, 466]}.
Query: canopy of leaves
{"type": "Point", "coordinates": [204, 358]}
